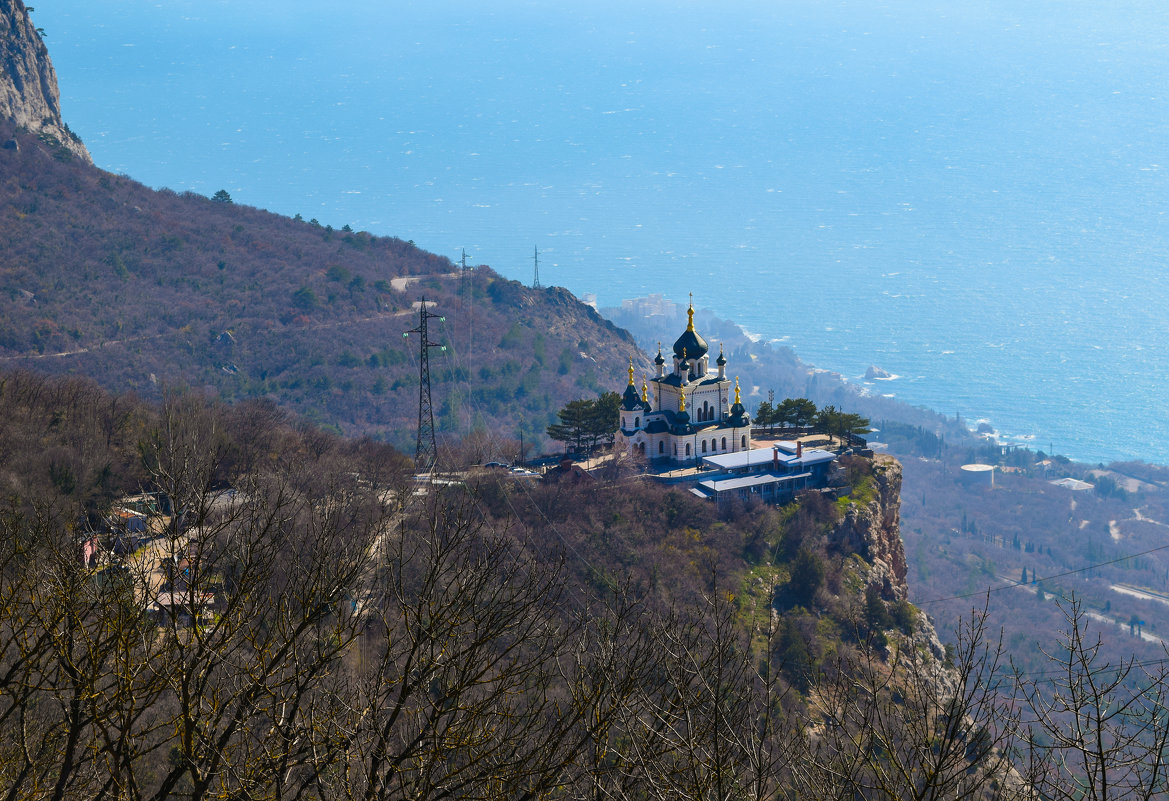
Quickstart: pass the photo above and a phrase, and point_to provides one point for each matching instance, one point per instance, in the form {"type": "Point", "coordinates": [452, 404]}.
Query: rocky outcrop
{"type": "Point", "coordinates": [28, 82]}
{"type": "Point", "coordinates": [873, 529]}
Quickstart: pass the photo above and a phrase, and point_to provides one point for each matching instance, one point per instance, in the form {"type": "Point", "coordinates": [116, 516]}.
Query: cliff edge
{"type": "Point", "coordinates": [28, 82]}
{"type": "Point", "coordinates": [872, 528]}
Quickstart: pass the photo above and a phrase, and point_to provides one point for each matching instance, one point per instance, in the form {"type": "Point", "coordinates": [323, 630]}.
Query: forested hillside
{"type": "Point", "coordinates": [290, 618]}
{"type": "Point", "coordinates": [143, 289]}
{"type": "Point", "coordinates": [1035, 544]}
{"type": "Point", "coordinates": [200, 600]}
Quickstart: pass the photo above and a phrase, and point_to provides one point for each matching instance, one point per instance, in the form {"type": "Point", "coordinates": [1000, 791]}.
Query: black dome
{"type": "Point", "coordinates": [631, 401]}
{"type": "Point", "coordinates": [690, 345]}
{"type": "Point", "coordinates": [738, 417]}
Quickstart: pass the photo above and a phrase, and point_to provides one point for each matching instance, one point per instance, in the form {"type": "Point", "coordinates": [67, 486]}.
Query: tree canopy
{"type": "Point", "coordinates": [834, 422]}
{"type": "Point", "coordinates": [587, 424]}
{"type": "Point", "coordinates": [798, 412]}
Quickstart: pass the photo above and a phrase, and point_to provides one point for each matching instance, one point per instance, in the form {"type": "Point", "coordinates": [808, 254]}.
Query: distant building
{"type": "Point", "coordinates": [1073, 484]}
{"type": "Point", "coordinates": [568, 472]}
{"type": "Point", "coordinates": [690, 415]}
{"type": "Point", "coordinates": [685, 418]}
{"type": "Point", "coordinates": [651, 306]}
{"type": "Point", "coordinates": [773, 475]}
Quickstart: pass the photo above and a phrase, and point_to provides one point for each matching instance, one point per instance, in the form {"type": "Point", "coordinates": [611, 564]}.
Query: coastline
{"type": "Point", "coordinates": [904, 400]}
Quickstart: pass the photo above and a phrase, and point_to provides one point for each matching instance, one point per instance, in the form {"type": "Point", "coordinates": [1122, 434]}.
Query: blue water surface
{"type": "Point", "coordinates": [971, 196]}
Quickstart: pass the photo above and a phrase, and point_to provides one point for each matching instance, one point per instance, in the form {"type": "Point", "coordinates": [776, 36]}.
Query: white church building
{"type": "Point", "coordinates": [690, 415]}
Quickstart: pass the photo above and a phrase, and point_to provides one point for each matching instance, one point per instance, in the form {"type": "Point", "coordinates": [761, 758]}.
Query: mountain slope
{"type": "Point", "coordinates": [140, 289]}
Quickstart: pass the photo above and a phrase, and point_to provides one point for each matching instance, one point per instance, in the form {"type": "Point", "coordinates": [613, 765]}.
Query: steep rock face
{"type": "Point", "coordinates": [873, 529]}
{"type": "Point", "coordinates": [28, 82]}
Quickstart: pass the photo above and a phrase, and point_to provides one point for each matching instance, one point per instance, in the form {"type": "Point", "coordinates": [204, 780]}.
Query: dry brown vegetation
{"type": "Point", "coordinates": [333, 634]}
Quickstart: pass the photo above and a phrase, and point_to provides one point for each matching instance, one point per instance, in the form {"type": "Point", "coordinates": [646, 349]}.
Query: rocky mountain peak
{"type": "Point", "coordinates": [28, 82]}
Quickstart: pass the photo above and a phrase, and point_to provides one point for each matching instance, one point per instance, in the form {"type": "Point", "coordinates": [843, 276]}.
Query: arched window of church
{"type": "Point", "coordinates": [713, 444]}
{"type": "Point", "coordinates": [637, 422]}
{"type": "Point", "coordinates": [675, 448]}
{"type": "Point", "coordinates": [704, 446]}
{"type": "Point", "coordinates": [687, 448]}
{"type": "Point", "coordinates": [661, 447]}
{"type": "Point", "coordinates": [724, 443]}
{"type": "Point", "coordinates": [744, 440]}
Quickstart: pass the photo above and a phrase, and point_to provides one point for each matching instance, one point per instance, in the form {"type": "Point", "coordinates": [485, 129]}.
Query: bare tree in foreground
{"type": "Point", "coordinates": [1100, 731]}
{"type": "Point", "coordinates": [480, 675]}
{"type": "Point", "coordinates": [305, 627]}
{"type": "Point", "coordinates": [907, 728]}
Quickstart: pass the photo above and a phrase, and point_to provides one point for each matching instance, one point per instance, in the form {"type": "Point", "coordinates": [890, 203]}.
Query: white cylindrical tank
{"type": "Point", "coordinates": [978, 474]}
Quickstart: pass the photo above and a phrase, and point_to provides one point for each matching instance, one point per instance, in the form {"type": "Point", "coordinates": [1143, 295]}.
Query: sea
{"type": "Point", "coordinates": [970, 196]}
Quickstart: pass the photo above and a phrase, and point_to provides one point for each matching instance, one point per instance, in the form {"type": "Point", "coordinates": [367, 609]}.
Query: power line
{"type": "Point", "coordinates": [468, 297]}
{"type": "Point", "coordinates": [989, 590]}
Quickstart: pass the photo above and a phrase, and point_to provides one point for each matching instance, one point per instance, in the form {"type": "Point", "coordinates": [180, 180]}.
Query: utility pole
{"type": "Point", "coordinates": [426, 451]}
{"type": "Point", "coordinates": [536, 259]}
{"type": "Point", "coordinates": [468, 298]}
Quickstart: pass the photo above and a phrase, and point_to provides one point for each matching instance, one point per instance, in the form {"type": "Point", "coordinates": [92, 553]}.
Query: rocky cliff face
{"type": "Point", "coordinates": [873, 529]}
{"type": "Point", "coordinates": [28, 83]}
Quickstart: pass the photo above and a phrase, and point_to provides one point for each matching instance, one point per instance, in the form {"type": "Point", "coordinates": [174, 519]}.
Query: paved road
{"type": "Point", "coordinates": [1099, 617]}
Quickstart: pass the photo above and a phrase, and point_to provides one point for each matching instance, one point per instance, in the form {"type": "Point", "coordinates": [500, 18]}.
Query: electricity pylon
{"type": "Point", "coordinates": [426, 451]}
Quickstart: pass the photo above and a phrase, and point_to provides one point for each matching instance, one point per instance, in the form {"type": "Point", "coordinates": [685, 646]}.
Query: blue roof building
{"type": "Point", "coordinates": [773, 475]}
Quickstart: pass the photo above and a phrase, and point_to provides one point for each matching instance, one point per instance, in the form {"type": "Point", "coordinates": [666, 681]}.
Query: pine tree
{"type": "Point", "coordinates": [586, 424]}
